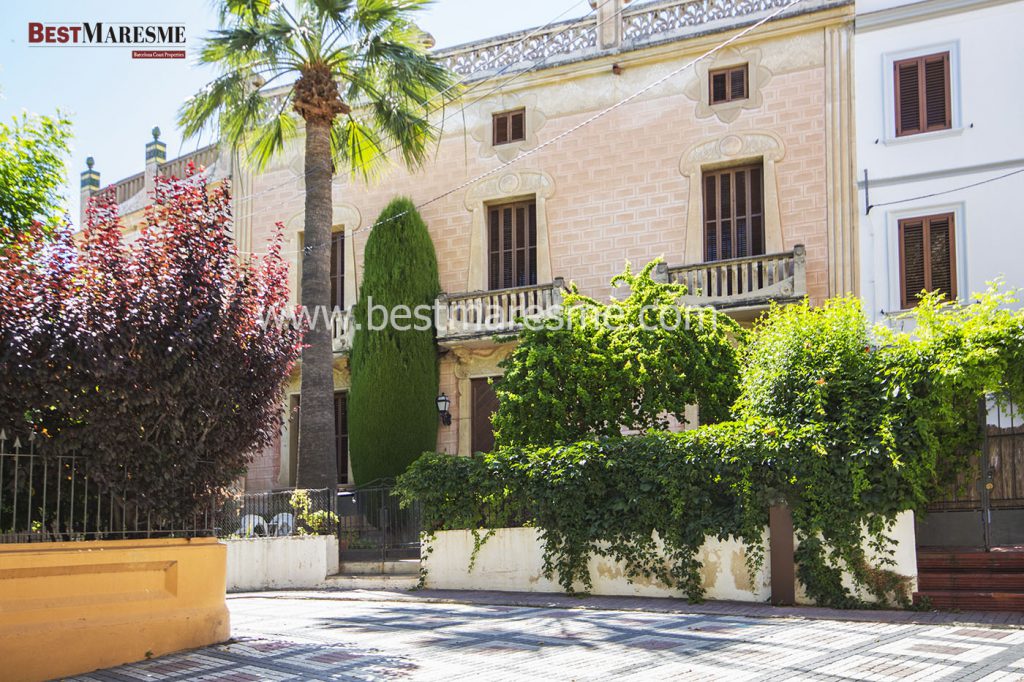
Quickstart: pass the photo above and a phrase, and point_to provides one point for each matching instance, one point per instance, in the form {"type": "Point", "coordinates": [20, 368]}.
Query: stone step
{"type": "Point", "coordinates": [371, 582]}
{"type": "Point", "coordinates": [962, 600]}
{"type": "Point", "coordinates": [971, 582]}
{"type": "Point", "coordinates": [970, 561]}
{"type": "Point", "coordinates": [394, 567]}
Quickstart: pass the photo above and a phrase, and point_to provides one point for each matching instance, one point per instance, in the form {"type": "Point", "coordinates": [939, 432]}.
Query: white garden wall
{"type": "Point", "coordinates": [297, 562]}
{"type": "Point", "coordinates": [512, 560]}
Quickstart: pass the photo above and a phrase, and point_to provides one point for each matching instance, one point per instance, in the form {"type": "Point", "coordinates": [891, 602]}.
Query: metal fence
{"type": "Point", "coordinates": [48, 498]}
{"type": "Point", "coordinates": [292, 512]}
{"type": "Point", "coordinates": [372, 526]}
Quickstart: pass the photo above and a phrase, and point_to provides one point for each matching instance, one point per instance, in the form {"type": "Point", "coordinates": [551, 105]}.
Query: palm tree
{"type": "Point", "coordinates": [357, 73]}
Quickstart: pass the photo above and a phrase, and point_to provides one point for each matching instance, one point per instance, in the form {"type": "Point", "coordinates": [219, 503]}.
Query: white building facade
{"type": "Point", "coordinates": [940, 148]}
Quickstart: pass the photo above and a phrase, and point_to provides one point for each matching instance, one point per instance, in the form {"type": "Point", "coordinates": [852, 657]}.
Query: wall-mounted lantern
{"type": "Point", "coordinates": [443, 403]}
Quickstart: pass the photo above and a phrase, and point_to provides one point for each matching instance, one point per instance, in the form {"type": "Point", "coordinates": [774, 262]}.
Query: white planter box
{"type": "Point", "coordinates": [296, 562]}
{"type": "Point", "coordinates": [512, 560]}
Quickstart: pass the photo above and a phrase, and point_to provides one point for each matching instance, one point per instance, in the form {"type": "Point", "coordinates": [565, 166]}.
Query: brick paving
{"type": "Point", "coordinates": [435, 635]}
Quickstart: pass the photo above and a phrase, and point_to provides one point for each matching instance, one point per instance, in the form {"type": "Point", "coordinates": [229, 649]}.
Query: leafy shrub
{"type": "Point", "coordinates": [599, 368]}
{"type": "Point", "coordinates": [151, 360]}
{"type": "Point", "coordinates": [847, 428]}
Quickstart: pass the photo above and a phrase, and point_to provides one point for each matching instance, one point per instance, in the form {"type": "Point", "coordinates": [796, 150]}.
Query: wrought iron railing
{"type": "Point", "coordinates": [49, 498]}
{"type": "Point", "coordinates": [479, 313]}
{"type": "Point", "coordinates": [278, 514]}
{"type": "Point", "coordinates": [754, 280]}
{"type": "Point", "coordinates": [373, 527]}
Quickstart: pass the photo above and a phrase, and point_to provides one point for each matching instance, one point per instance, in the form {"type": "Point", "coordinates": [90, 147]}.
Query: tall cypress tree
{"type": "Point", "coordinates": [392, 405]}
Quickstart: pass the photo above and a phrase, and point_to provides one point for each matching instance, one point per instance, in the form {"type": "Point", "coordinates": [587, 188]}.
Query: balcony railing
{"type": "Point", "coordinates": [485, 313]}
{"type": "Point", "coordinates": [642, 24]}
{"type": "Point", "coordinates": [129, 187]}
{"type": "Point", "coordinates": [202, 158]}
{"type": "Point", "coordinates": [342, 329]}
{"type": "Point", "coordinates": [742, 282]}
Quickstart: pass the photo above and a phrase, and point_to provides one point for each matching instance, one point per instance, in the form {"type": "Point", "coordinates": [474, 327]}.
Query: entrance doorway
{"type": "Point", "coordinates": [984, 508]}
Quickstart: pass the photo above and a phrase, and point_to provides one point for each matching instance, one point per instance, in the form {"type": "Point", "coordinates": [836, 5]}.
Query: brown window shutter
{"type": "Point", "coordinates": [728, 84]}
{"type": "Point", "coordinates": [908, 98]}
{"type": "Point", "coordinates": [494, 250]}
{"type": "Point", "coordinates": [337, 270]}
{"type": "Point", "coordinates": [500, 128]}
{"type": "Point", "coordinates": [940, 246]}
{"type": "Point", "coordinates": [922, 94]}
{"type": "Point", "coordinates": [512, 248]}
{"type": "Point", "coordinates": [733, 217]}
{"type": "Point", "coordinates": [936, 85]}
{"type": "Point", "coordinates": [927, 257]}
{"type": "Point", "coordinates": [719, 88]}
{"type": "Point", "coordinates": [517, 126]}
{"type": "Point", "coordinates": [738, 84]}
{"type": "Point", "coordinates": [912, 263]}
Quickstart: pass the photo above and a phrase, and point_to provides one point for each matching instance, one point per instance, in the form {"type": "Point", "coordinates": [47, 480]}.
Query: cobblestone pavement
{"type": "Point", "coordinates": [325, 636]}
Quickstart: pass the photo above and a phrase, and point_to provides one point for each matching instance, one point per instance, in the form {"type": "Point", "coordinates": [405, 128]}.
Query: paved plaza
{"type": "Point", "coordinates": [352, 636]}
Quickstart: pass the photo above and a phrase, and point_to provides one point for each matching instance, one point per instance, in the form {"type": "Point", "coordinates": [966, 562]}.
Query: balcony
{"type": "Point", "coordinates": [479, 314]}
{"type": "Point", "coordinates": [742, 283]}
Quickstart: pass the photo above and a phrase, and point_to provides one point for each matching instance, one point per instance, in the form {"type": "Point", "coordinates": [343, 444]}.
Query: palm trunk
{"type": "Point", "coordinates": [317, 465]}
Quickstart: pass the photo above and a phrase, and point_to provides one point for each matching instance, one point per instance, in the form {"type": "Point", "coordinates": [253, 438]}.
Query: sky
{"type": "Point", "coordinates": [114, 101]}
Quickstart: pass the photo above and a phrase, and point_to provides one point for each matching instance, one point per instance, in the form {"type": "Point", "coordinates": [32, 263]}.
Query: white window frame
{"type": "Point", "coordinates": [892, 231]}
{"type": "Point", "coordinates": [889, 92]}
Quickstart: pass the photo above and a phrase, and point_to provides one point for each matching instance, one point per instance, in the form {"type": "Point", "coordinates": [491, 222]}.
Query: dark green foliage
{"type": "Point", "coordinates": [600, 367]}
{"type": "Point", "coordinates": [392, 412]}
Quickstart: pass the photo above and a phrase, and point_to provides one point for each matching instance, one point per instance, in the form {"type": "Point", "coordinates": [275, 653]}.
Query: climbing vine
{"type": "Point", "coordinates": [847, 426]}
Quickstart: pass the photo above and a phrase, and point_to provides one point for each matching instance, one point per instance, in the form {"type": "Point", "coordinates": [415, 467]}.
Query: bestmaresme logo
{"type": "Point", "coordinates": [164, 36]}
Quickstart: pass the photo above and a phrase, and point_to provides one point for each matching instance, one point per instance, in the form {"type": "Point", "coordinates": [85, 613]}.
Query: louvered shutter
{"type": "Point", "coordinates": [733, 214]}
{"type": "Point", "coordinates": [337, 270]}
{"type": "Point", "coordinates": [500, 123]}
{"type": "Point", "coordinates": [719, 87]}
{"type": "Point", "coordinates": [913, 266]}
{"type": "Point", "coordinates": [927, 257]}
{"type": "Point", "coordinates": [922, 94]}
{"type": "Point", "coordinates": [908, 98]}
{"type": "Point", "coordinates": [512, 245]}
{"type": "Point", "coordinates": [936, 82]}
{"type": "Point", "coordinates": [738, 85]}
{"type": "Point", "coordinates": [940, 247]}
{"type": "Point", "coordinates": [517, 126]}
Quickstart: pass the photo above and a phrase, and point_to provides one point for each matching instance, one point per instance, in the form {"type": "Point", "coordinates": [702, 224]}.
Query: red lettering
{"type": "Point", "coordinates": [75, 31]}
{"type": "Point", "coordinates": [50, 34]}
{"type": "Point", "coordinates": [35, 32]}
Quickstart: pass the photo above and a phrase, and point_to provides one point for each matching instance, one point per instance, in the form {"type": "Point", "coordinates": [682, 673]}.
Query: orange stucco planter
{"type": "Point", "coordinates": [73, 607]}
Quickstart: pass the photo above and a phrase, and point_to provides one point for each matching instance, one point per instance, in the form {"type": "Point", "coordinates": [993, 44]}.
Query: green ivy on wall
{"type": "Point", "coordinates": [847, 426]}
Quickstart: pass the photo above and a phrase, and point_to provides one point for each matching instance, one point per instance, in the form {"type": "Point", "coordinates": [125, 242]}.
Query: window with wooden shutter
{"type": "Point", "coordinates": [922, 94]}
{"type": "Point", "coordinates": [485, 404]}
{"type": "Point", "coordinates": [512, 245]}
{"type": "Point", "coordinates": [509, 126]}
{"type": "Point", "coordinates": [340, 435]}
{"type": "Point", "coordinates": [728, 85]}
{"type": "Point", "coordinates": [927, 257]}
{"type": "Point", "coordinates": [337, 270]}
{"type": "Point", "coordinates": [733, 213]}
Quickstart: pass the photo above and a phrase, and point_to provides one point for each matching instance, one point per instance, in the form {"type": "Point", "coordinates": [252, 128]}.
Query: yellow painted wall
{"type": "Point", "coordinates": [73, 607]}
